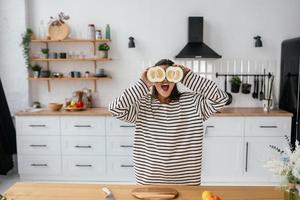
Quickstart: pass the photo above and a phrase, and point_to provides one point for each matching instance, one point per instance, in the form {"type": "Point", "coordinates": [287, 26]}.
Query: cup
{"type": "Point", "coordinates": [63, 55]}
{"type": "Point", "coordinates": [72, 74]}
{"type": "Point", "coordinates": [77, 74]}
{"type": "Point", "coordinates": [267, 105]}
{"type": "Point", "coordinates": [100, 72]}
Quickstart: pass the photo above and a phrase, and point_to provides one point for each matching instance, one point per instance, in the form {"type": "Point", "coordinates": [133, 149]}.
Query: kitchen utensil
{"type": "Point", "coordinates": [270, 93]}
{"type": "Point", "coordinates": [225, 89]}
{"type": "Point", "coordinates": [246, 87]}
{"type": "Point", "coordinates": [45, 73]}
{"type": "Point", "coordinates": [254, 87]}
{"type": "Point", "coordinates": [261, 93]}
{"type": "Point", "coordinates": [109, 194]}
{"type": "Point", "coordinates": [156, 193]}
{"type": "Point", "coordinates": [268, 85]}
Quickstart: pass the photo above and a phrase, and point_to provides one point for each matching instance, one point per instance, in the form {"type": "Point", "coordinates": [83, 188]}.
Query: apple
{"type": "Point", "coordinates": [213, 197]}
{"type": "Point", "coordinates": [79, 104]}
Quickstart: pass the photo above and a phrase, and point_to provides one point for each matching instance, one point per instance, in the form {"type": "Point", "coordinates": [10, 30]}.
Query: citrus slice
{"type": "Point", "coordinates": [156, 74]}
{"type": "Point", "coordinates": [174, 74]}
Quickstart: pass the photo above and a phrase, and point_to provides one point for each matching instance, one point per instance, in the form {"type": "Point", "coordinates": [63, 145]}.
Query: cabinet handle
{"type": "Point", "coordinates": [268, 126]}
{"type": "Point", "coordinates": [38, 165]}
{"type": "Point", "coordinates": [38, 145]}
{"type": "Point", "coordinates": [126, 166]}
{"type": "Point", "coordinates": [246, 163]}
{"type": "Point", "coordinates": [80, 146]}
{"type": "Point", "coordinates": [82, 126]}
{"type": "Point", "coordinates": [37, 125]}
{"type": "Point", "coordinates": [127, 126]}
{"type": "Point", "coordinates": [83, 165]}
{"type": "Point", "coordinates": [126, 146]}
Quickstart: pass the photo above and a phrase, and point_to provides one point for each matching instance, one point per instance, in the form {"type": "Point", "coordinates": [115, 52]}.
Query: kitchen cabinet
{"type": "Point", "coordinates": [236, 155]}
{"type": "Point", "coordinates": [100, 148]}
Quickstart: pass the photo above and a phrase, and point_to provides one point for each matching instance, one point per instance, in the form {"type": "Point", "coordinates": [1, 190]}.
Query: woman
{"type": "Point", "coordinates": [168, 126]}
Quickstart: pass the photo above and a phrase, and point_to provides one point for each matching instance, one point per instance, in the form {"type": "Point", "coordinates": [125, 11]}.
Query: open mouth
{"type": "Point", "coordinates": [165, 87]}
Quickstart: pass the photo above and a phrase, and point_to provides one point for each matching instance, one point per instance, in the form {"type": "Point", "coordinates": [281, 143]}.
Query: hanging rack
{"type": "Point", "coordinates": [269, 75]}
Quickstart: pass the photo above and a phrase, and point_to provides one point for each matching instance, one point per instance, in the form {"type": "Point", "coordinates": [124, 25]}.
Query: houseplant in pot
{"type": "Point", "coordinates": [286, 166]}
{"type": "Point", "coordinates": [36, 69]}
{"type": "Point", "coordinates": [103, 50]}
{"type": "Point", "coordinates": [45, 52]}
{"type": "Point", "coordinates": [235, 84]}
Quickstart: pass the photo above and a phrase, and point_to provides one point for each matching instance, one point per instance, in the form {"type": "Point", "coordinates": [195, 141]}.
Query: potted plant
{"type": "Point", "coordinates": [45, 51]}
{"type": "Point", "coordinates": [36, 69]}
{"type": "Point", "coordinates": [235, 84]}
{"type": "Point", "coordinates": [287, 166]}
{"type": "Point", "coordinates": [27, 36]}
{"type": "Point", "coordinates": [103, 50]}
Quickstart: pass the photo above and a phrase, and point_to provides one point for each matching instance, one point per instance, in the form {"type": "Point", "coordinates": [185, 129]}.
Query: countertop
{"type": "Point", "coordinates": [228, 111]}
{"type": "Point", "coordinates": [67, 191]}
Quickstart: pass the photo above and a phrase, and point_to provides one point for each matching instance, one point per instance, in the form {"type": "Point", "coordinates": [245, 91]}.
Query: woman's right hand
{"type": "Point", "coordinates": [145, 79]}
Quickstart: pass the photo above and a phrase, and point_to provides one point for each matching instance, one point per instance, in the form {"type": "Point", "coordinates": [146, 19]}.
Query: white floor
{"type": "Point", "coordinates": [7, 181]}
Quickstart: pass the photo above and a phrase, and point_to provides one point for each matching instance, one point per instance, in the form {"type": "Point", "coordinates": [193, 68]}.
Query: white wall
{"type": "Point", "coordinates": [160, 29]}
{"type": "Point", "coordinates": [12, 68]}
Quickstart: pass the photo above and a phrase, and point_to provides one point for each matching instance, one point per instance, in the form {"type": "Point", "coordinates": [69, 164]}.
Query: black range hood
{"type": "Point", "coordinates": [196, 48]}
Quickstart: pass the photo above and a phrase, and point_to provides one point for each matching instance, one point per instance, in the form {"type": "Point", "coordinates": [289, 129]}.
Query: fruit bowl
{"type": "Point", "coordinates": [74, 108]}
{"type": "Point", "coordinates": [55, 106]}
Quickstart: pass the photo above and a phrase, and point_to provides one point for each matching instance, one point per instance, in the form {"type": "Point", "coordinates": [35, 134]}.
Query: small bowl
{"type": "Point", "coordinates": [55, 106]}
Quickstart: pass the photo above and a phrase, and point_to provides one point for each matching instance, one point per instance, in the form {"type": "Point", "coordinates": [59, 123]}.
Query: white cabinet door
{"type": "Point", "coordinates": [118, 127]}
{"type": "Point", "coordinates": [257, 153]}
{"type": "Point", "coordinates": [79, 125]}
{"type": "Point", "coordinates": [222, 160]}
{"type": "Point", "coordinates": [224, 126]}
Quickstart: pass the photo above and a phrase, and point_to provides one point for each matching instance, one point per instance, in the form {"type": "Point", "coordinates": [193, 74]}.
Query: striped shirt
{"type": "Point", "coordinates": [168, 137]}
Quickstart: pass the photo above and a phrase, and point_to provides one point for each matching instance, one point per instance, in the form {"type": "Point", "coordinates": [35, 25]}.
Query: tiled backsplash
{"type": "Point", "coordinates": [209, 68]}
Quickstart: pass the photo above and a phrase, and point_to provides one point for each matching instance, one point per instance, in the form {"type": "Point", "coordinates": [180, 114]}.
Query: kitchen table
{"type": "Point", "coordinates": [72, 191]}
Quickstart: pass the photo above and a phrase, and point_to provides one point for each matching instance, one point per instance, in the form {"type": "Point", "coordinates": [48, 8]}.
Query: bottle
{"type": "Point", "coordinates": [98, 35]}
{"type": "Point", "coordinates": [91, 31]}
{"type": "Point", "coordinates": [107, 32]}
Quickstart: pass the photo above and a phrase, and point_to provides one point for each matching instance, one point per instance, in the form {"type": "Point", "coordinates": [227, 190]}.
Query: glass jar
{"type": "Point", "coordinates": [292, 192]}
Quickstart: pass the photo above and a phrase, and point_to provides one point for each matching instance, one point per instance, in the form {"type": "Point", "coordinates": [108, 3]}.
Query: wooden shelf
{"type": "Point", "coordinates": [70, 79]}
{"type": "Point", "coordinates": [70, 59]}
{"type": "Point", "coordinates": [70, 40]}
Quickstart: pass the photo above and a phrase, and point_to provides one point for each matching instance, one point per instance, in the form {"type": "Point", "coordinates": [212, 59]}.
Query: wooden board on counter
{"type": "Point", "coordinates": [230, 112]}
{"type": "Point", "coordinates": [55, 191]}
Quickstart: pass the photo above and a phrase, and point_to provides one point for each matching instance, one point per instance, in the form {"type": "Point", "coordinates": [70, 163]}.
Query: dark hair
{"type": "Point", "coordinates": [164, 62]}
{"type": "Point", "coordinates": [175, 94]}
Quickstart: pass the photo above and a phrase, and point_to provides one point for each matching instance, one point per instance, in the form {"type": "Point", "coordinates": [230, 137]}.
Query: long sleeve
{"type": "Point", "coordinates": [208, 97]}
{"type": "Point", "coordinates": [126, 106]}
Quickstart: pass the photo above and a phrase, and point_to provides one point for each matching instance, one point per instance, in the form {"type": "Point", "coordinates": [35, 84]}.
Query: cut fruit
{"type": "Point", "coordinates": [174, 74]}
{"type": "Point", "coordinates": [156, 74]}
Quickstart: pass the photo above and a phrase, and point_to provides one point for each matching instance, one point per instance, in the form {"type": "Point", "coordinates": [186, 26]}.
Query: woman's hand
{"type": "Point", "coordinates": [185, 69]}
{"type": "Point", "coordinates": [145, 79]}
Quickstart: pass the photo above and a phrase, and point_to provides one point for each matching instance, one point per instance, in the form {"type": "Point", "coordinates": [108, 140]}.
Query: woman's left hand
{"type": "Point", "coordinates": [185, 69]}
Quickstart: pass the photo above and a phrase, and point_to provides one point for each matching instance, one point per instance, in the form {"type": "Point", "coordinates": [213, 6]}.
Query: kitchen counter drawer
{"type": "Point", "coordinates": [83, 125]}
{"type": "Point", "coordinates": [38, 145]}
{"type": "Point", "coordinates": [120, 168]}
{"type": "Point", "coordinates": [81, 145]}
{"type": "Point", "coordinates": [39, 165]}
{"type": "Point", "coordinates": [224, 126]}
{"type": "Point", "coordinates": [267, 126]}
{"type": "Point", "coordinates": [84, 167]}
{"type": "Point", "coordinates": [38, 125]}
{"type": "Point", "coordinates": [117, 145]}
{"type": "Point", "coordinates": [118, 127]}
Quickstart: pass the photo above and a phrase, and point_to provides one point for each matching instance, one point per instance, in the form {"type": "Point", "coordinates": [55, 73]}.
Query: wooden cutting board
{"type": "Point", "coordinates": [154, 193]}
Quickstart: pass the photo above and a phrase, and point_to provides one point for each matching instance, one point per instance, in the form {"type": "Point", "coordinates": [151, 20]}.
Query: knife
{"type": "Point", "coordinates": [109, 194]}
